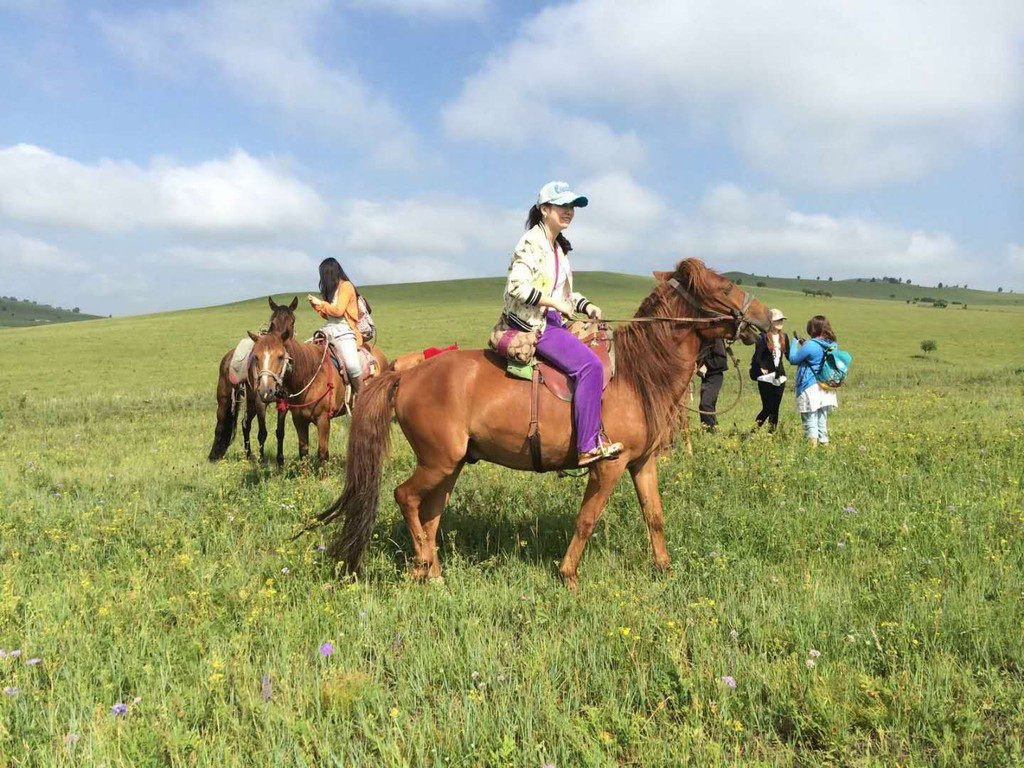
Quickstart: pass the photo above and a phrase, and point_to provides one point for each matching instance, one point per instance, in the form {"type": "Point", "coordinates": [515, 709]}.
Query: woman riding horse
{"type": "Point", "coordinates": [462, 407]}
{"type": "Point", "coordinates": [539, 294]}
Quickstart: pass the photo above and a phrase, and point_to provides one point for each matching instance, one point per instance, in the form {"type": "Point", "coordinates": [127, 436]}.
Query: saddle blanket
{"type": "Point", "coordinates": [238, 368]}
{"type": "Point", "coordinates": [369, 363]}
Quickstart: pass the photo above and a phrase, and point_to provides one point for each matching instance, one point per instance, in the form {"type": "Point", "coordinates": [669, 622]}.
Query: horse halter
{"type": "Point", "coordinates": [277, 377]}
{"type": "Point", "coordinates": [739, 315]}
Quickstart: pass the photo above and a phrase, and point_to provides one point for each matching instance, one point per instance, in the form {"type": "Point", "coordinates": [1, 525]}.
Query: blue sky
{"type": "Point", "coordinates": [163, 155]}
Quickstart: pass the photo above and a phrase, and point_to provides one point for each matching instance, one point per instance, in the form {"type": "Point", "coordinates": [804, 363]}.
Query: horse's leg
{"type": "Point", "coordinates": [302, 432]}
{"type": "Point", "coordinates": [323, 431]}
{"type": "Point", "coordinates": [410, 495]}
{"type": "Point", "coordinates": [280, 437]}
{"type": "Point", "coordinates": [603, 477]}
{"type": "Point", "coordinates": [645, 480]}
{"type": "Point", "coordinates": [261, 415]}
{"type": "Point", "coordinates": [430, 518]}
{"type": "Point", "coordinates": [250, 412]}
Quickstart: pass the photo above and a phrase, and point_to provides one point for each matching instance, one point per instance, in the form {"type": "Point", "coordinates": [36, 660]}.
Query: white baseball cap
{"type": "Point", "coordinates": [558, 192]}
{"type": "Point", "coordinates": [777, 315]}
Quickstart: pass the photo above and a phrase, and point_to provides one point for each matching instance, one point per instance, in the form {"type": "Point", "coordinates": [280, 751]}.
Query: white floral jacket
{"type": "Point", "coordinates": [531, 275]}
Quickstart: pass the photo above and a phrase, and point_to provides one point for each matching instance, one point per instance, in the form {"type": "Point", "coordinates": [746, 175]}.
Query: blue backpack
{"type": "Point", "coordinates": [835, 366]}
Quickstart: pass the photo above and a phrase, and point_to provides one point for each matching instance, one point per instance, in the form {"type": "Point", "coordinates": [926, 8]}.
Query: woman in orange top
{"type": "Point", "coordinates": [340, 308]}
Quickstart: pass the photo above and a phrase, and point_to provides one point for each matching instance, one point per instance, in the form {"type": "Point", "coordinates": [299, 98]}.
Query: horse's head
{"type": "Point", "coordinates": [283, 316]}
{"type": "Point", "coordinates": [270, 363]}
{"type": "Point", "coordinates": [732, 312]}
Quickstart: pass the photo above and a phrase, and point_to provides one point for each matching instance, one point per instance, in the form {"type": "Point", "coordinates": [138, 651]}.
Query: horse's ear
{"type": "Point", "coordinates": [294, 304]}
{"type": "Point", "coordinates": [286, 334]}
{"type": "Point", "coordinates": [272, 304]}
{"type": "Point", "coordinates": [662, 277]}
{"type": "Point", "coordinates": [253, 336]}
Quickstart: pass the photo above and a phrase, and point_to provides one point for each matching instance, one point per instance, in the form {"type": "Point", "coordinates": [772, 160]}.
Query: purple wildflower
{"type": "Point", "coordinates": [327, 648]}
{"type": "Point", "coordinates": [12, 691]}
{"type": "Point", "coordinates": [33, 662]}
{"type": "Point", "coordinates": [119, 709]}
{"type": "Point", "coordinates": [810, 663]}
{"type": "Point", "coordinates": [14, 654]}
{"type": "Point", "coordinates": [850, 509]}
{"type": "Point", "coordinates": [3, 653]}
{"type": "Point", "coordinates": [813, 653]}
{"type": "Point", "coordinates": [729, 680]}
{"type": "Point", "coordinates": [321, 548]}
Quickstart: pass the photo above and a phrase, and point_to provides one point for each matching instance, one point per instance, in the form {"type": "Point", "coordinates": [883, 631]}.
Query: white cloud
{"type": "Point", "coordinates": [829, 93]}
{"type": "Point", "coordinates": [420, 269]}
{"type": "Point", "coordinates": [441, 9]}
{"type": "Point", "coordinates": [445, 226]}
{"type": "Point", "coordinates": [761, 233]}
{"type": "Point", "coordinates": [1015, 262]}
{"type": "Point", "coordinates": [238, 194]}
{"type": "Point", "coordinates": [20, 254]}
{"type": "Point", "coordinates": [281, 263]}
{"type": "Point", "coordinates": [265, 51]}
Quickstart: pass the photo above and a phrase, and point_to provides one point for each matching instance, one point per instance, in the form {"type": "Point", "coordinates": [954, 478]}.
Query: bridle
{"type": "Point", "coordinates": [738, 315]}
{"type": "Point", "coordinates": [277, 378]}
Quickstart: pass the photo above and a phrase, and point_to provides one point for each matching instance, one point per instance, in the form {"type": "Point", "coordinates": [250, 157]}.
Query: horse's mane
{"type": "Point", "coordinates": [649, 357]}
{"type": "Point", "coordinates": [306, 359]}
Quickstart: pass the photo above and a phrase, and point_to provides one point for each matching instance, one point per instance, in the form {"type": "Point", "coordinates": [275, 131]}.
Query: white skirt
{"type": "Point", "coordinates": [814, 398]}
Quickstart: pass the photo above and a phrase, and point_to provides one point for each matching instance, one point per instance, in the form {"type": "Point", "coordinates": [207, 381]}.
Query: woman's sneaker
{"type": "Point", "coordinates": [604, 450]}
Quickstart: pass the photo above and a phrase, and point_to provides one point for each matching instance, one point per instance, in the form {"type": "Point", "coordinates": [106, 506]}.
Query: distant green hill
{"type": "Point", "coordinates": [18, 313]}
{"type": "Point", "coordinates": [863, 288]}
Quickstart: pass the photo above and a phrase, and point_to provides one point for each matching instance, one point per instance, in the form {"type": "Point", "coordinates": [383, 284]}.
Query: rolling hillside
{"type": "Point", "coordinates": [15, 313]}
{"type": "Point", "coordinates": [863, 288]}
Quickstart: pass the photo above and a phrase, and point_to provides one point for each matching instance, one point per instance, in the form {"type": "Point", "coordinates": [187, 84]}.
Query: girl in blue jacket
{"type": "Point", "coordinates": [813, 402]}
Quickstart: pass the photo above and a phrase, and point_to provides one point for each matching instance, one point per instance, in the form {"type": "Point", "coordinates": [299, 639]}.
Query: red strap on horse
{"type": "Point", "coordinates": [430, 352]}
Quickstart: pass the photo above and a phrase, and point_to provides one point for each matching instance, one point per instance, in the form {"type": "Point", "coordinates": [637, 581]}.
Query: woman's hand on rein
{"type": "Point", "coordinates": [594, 312]}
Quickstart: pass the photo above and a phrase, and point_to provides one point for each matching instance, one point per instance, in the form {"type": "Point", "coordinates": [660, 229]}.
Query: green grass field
{"type": "Point", "coordinates": [865, 600]}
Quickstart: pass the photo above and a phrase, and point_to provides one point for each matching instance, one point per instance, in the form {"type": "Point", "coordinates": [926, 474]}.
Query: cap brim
{"type": "Point", "coordinates": [576, 201]}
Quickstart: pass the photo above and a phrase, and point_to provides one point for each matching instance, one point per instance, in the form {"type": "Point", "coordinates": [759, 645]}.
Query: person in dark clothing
{"type": "Point", "coordinates": [768, 369]}
{"type": "Point", "coordinates": [713, 364]}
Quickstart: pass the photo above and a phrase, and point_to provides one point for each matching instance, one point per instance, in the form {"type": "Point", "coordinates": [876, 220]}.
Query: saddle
{"type": "Point", "coordinates": [600, 340]}
{"type": "Point", "coordinates": [370, 365]}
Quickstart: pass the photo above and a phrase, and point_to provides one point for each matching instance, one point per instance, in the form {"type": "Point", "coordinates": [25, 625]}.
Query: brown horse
{"type": "Point", "coordinates": [313, 389]}
{"type": "Point", "coordinates": [462, 407]}
{"type": "Point", "coordinates": [229, 396]}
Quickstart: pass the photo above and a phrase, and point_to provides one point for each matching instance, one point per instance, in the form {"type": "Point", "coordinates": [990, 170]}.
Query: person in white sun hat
{"type": "Point", "coordinates": [768, 369]}
{"type": "Point", "coordinates": [539, 297]}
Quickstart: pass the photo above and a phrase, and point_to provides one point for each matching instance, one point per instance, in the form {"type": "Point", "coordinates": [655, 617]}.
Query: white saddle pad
{"type": "Point", "coordinates": [238, 370]}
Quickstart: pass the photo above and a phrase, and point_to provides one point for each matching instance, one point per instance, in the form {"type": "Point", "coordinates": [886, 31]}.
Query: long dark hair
{"type": "Point", "coordinates": [534, 217]}
{"type": "Point", "coordinates": [819, 326]}
{"type": "Point", "coordinates": [331, 273]}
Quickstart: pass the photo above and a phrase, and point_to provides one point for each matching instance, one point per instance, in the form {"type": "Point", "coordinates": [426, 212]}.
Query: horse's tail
{"type": "Point", "coordinates": [227, 415]}
{"type": "Point", "coordinates": [369, 439]}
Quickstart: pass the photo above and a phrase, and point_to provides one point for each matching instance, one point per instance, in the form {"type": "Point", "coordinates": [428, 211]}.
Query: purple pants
{"type": "Point", "coordinates": [574, 358]}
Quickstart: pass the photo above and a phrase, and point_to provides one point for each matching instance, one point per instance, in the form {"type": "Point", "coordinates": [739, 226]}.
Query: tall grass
{"type": "Point", "coordinates": [865, 601]}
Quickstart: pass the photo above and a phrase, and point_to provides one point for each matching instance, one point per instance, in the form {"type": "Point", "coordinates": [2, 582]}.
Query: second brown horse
{"type": "Point", "coordinates": [313, 389]}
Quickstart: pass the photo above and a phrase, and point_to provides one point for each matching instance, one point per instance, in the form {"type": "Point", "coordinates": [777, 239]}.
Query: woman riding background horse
{"type": "Point", "coordinates": [340, 308]}
{"type": "Point", "coordinates": [539, 294]}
